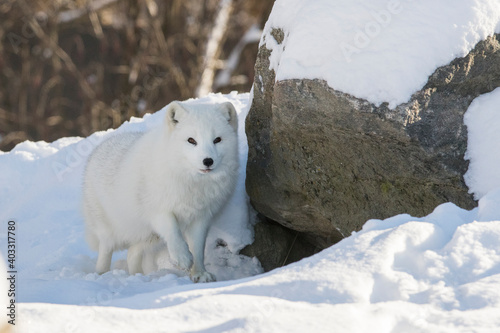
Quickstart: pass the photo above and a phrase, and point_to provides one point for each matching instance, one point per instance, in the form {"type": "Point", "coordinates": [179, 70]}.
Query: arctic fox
{"type": "Point", "coordinates": [166, 184]}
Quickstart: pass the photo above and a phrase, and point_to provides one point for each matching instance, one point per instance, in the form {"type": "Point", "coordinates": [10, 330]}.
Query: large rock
{"type": "Point", "coordinates": [322, 162]}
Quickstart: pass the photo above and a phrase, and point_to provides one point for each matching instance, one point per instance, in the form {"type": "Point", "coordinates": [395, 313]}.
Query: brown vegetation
{"type": "Point", "coordinates": [74, 67]}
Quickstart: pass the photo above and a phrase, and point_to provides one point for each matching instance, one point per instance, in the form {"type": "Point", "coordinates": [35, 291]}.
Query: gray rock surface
{"type": "Point", "coordinates": [276, 246]}
{"type": "Point", "coordinates": [323, 162]}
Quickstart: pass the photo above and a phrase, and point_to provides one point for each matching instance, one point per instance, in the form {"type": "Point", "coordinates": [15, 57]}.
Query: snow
{"type": "Point", "coordinates": [436, 273]}
{"type": "Point", "coordinates": [379, 50]}
{"type": "Point", "coordinates": [483, 124]}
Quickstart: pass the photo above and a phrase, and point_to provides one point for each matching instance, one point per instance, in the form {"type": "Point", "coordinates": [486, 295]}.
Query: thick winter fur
{"type": "Point", "coordinates": [167, 183]}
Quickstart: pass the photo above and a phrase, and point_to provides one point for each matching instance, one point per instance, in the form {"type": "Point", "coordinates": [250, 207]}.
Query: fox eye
{"type": "Point", "coordinates": [217, 139]}
{"type": "Point", "coordinates": [192, 141]}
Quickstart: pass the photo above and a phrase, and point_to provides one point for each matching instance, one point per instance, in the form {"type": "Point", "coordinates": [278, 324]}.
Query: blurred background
{"type": "Point", "coordinates": [70, 68]}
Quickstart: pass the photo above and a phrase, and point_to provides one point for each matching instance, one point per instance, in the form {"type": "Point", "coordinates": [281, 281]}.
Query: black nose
{"type": "Point", "coordinates": [208, 162]}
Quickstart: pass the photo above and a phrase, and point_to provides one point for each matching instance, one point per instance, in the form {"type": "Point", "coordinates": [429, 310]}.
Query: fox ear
{"type": "Point", "coordinates": [175, 112]}
{"type": "Point", "coordinates": [229, 112]}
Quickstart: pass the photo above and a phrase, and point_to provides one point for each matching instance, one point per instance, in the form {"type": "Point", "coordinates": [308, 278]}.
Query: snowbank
{"type": "Point", "coordinates": [379, 50]}
{"type": "Point", "coordinates": [440, 273]}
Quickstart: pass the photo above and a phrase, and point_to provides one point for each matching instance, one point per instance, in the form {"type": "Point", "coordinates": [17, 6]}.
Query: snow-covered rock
{"type": "Point", "coordinates": [341, 131]}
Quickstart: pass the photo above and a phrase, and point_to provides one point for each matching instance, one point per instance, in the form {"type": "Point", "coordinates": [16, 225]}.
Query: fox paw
{"type": "Point", "coordinates": [183, 260]}
{"type": "Point", "coordinates": [203, 276]}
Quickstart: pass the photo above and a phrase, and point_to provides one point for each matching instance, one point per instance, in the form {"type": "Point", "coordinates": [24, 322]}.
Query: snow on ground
{"type": "Point", "coordinates": [439, 273]}
{"type": "Point", "coordinates": [379, 50]}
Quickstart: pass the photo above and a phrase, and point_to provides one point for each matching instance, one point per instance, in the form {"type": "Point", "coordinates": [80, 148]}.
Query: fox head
{"type": "Point", "coordinates": [203, 136]}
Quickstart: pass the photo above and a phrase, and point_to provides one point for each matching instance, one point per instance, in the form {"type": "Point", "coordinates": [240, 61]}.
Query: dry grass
{"type": "Point", "coordinates": [74, 67]}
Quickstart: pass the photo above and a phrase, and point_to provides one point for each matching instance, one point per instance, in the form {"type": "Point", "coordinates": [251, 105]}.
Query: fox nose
{"type": "Point", "coordinates": [208, 162]}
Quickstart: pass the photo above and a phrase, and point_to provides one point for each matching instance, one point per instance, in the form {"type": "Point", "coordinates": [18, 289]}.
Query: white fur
{"type": "Point", "coordinates": [142, 186]}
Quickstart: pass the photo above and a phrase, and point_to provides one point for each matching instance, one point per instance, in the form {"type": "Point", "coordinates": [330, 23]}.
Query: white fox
{"type": "Point", "coordinates": [167, 183]}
